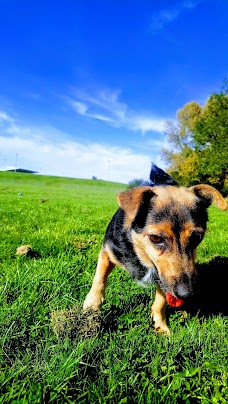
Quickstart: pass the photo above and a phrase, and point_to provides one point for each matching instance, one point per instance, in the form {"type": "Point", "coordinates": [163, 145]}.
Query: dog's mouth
{"type": "Point", "coordinates": [173, 301]}
{"type": "Point", "coordinates": [152, 276]}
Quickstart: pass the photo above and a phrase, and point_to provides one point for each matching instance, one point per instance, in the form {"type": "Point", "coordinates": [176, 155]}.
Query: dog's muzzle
{"type": "Point", "coordinates": [184, 287]}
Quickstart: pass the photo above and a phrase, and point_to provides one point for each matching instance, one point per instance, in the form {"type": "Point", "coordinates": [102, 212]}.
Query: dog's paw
{"type": "Point", "coordinates": [93, 301]}
{"type": "Point", "coordinates": [162, 329]}
{"type": "Point", "coordinates": [160, 324]}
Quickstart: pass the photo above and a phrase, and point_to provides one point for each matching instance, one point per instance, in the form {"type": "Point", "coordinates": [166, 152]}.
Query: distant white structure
{"type": "Point", "coordinates": [18, 170]}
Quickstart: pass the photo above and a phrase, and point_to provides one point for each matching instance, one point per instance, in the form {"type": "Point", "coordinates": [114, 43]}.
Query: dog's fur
{"type": "Point", "coordinates": [154, 235]}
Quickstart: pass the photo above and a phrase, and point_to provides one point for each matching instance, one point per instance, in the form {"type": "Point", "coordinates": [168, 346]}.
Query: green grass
{"type": "Point", "coordinates": [123, 361]}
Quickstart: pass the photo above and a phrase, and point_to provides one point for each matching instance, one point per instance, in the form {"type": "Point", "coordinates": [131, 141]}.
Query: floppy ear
{"type": "Point", "coordinates": [209, 195]}
{"type": "Point", "coordinates": [131, 200]}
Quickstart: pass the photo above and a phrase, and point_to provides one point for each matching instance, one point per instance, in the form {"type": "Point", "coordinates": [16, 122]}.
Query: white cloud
{"type": "Point", "coordinates": [166, 16]}
{"type": "Point", "coordinates": [163, 18]}
{"type": "Point", "coordinates": [154, 145]}
{"type": "Point", "coordinates": [106, 106]}
{"type": "Point", "coordinates": [147, 124]}
{"type": "Point", "coordinates": [79, 107]}
{"type": "Point", "coordinates": [82, 109]}
{"type": "Point", "coordinates": [5, 118]}
{"type": "Point", "coordinates": [190, 4]}
{"type": "Point", "coordinates": [36, 150]}
{"type": "Point", "coordinates": [72, 159]}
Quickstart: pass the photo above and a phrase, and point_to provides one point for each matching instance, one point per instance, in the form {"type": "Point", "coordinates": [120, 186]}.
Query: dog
{"type": "Point", "coordinates": [154, 236]}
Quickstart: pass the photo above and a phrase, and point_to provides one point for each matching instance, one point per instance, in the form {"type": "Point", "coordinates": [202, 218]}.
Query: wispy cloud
{"type": "Point", "coordinates": [168, 15]}
{"type": "Point", "coordinates": [79, 107]}
{"type": "Point", "coordinates": [163, 18]}
{"type": "Point", "coordinates": [50, 151]}
{"type": "Point", "coordinates": [106, 106]}
{"type": "Point", "coordinates": [5, 118]}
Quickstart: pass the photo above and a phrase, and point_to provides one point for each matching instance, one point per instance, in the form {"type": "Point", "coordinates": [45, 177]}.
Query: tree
{"type": "Point", "coordinates": [136, 182]}
{"type": "Point", "coordinates": [199, 142]}
{"type": "Point", "coordinates": [182, 159]}
{"type": "Point", "coordinates": [211, 139]}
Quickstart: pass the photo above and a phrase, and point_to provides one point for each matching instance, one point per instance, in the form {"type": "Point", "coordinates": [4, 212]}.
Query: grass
{"type": "Point", "coordinates": [51, 352]}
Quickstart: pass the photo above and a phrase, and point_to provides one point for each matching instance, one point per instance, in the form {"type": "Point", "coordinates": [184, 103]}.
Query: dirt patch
{"type": "Point", "coordinates": [74, 323]}
{"type": "Point", "coordinates": [44, 200]}
{"type": "Point", "coordinates": [27, 251]}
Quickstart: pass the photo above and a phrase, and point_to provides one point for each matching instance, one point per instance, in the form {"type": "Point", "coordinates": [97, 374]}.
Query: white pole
{"type": "Point", "coordinates": [16, 162]}
{"type": "Point", "coordinates": [109, 161]}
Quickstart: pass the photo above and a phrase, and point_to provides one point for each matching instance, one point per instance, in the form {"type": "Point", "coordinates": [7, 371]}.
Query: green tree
{"type": "Point", "coordinates": [182, 159]}
{"type": "Point", "coordinates": [199, 142]}
{"type": "Point", "coordinates": [211, 140]}
{"type": "Point", "coordinates": [136, 182]}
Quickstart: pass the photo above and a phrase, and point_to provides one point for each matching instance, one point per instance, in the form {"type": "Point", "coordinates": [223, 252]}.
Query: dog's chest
{"type": "Point", "coordinates": [149, 278]}
{"type": "Point", "coordinates": [127, 257]}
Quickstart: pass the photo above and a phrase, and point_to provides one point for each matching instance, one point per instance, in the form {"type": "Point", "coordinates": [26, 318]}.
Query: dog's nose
{"type": "Point", "coordinates": [184, 287]}
{"type": "Point", "coordinates": [182, 291]}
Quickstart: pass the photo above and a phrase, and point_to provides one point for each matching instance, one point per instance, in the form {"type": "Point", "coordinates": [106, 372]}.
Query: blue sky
{"type": "Point", "coordinates": [86, 86]}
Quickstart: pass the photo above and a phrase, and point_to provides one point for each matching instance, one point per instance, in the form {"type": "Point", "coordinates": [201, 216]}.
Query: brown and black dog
{"type": "Point", "coordinates": [154, 235]}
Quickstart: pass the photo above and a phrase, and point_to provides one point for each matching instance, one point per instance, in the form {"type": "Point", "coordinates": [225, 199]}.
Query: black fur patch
{"type": "Point", "coordinates": [119, 240]}
{"type": "Point", "coordinates": [144, 209]}
{"type": "Point", "coordinates": [160, 177]}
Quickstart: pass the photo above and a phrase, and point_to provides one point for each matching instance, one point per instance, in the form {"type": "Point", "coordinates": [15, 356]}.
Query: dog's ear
{"type": "Point", "coordinates": [209, 195]}
{"type": "Point", "coordinates": [131, 199]}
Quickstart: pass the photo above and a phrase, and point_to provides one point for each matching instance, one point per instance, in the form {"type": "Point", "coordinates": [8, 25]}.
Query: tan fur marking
{"type": "Point", "coordinates": [169, 193]}
{"type": "Point", "coordinates": [160, 229]}
{"type": "Point", "coordinates": [189, 227]}
{"type": "Point", "coordinates": [171, 265]}
{"type": "Point", "coordinates": [139, 241]}
{"type": "Point", "coordinates": [96, 295]}
{"type": "Point", "coordinates": [211, 194]}
{"type": "Point", "coordinates": [111, 256]}
{"type": "Point", "coordinates": [127, 222]}
{"type": "Point", "coordinates": [158, 312]}
{"type": "Point", "coordinates": [130, 200]}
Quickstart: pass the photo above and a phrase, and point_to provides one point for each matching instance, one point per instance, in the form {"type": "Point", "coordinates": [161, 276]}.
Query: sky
{"type": "Point", "coordinates": [86, 86]}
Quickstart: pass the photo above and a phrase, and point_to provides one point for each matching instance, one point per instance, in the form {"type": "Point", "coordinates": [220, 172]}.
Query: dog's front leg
{"type": "Point", "coordinates": [158, 312]}
{"type": "Point", "coordinates": [95, 297]}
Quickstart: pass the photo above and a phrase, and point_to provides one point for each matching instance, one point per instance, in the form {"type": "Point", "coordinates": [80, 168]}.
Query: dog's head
{"type": "Point", "coordinates": [166, 224]}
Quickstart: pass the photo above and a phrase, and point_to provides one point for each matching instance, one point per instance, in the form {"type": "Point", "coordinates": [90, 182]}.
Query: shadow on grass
{"type": "Point", "coordinates": [135, 304]}
{"type": "Point", "coordinates": [210, 298]}
{"type": "Point", "coordinates": [211, 289]}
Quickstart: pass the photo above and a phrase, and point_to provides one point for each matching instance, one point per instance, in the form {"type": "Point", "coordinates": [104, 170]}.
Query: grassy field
{"type": "Point", "coordinates": [50, 352]}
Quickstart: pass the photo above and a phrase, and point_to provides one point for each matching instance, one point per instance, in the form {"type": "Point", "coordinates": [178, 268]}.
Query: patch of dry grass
{"type": "Point", "coordinates": [74, 323]}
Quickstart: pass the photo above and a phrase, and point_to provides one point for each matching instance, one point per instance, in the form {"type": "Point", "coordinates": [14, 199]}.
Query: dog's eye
{"type": "Point", "coordinates": [155, 239]}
